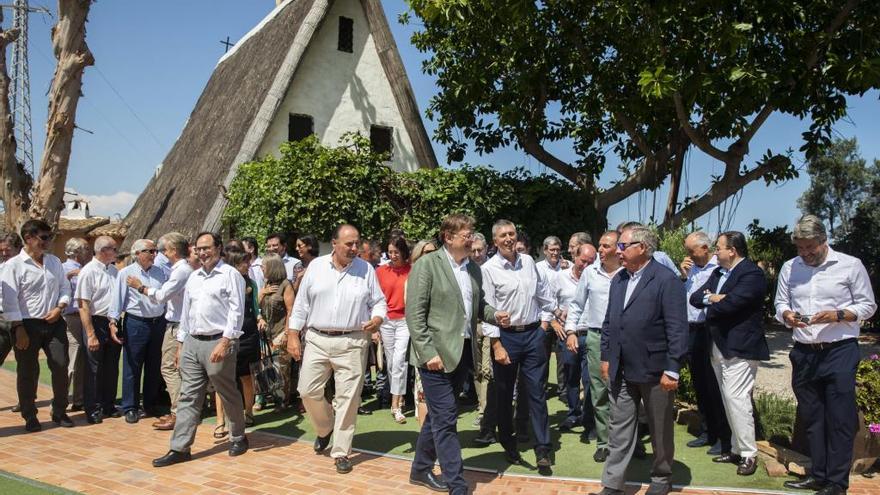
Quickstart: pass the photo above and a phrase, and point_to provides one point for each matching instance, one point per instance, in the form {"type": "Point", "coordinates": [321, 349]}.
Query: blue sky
{"type": "Point", "coordinates": [154, 58]}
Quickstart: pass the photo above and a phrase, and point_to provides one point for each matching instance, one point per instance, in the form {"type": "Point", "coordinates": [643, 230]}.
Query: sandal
{"type": "Point", "coordinates": [248, 420]}
{"type": "Point", "coordinates": [398, 416]}
{"type": "Point", "coordinates": [220, 432]}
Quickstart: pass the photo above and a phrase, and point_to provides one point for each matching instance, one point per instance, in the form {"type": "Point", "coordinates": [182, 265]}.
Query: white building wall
{"type": "Point", "coordinates": [342, 91]}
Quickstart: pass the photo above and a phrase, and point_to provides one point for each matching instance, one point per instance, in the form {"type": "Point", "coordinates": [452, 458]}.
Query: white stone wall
{"type": "Point", "coordinates": [342, 91]}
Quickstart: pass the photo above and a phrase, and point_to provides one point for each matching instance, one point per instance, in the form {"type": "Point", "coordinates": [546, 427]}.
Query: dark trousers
{"type": "Point", "coordinates": [824, 382]}
{"type": "Point", "coordinates": [102, 369]}
{"type": "Point", "coordinates": [438, 438]}
{"type": "Point", "coordinates": [709, 401]}
{"type": "Point", "coordinates": [52, 339]}
{"type": "Point", "coordinates": [577, 372]}
{"type": "Point", "coordinates": [528, 356]}
{"type": "Point", "coordinates": [143, 354]}
{"type": "Point", "coordinates": [6, 340]}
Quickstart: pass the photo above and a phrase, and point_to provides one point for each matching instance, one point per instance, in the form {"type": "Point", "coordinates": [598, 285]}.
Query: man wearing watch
{"type": "Point", "coordinates": [35, 294]}
{"type": "Point", "coordinates": [210, 325]}
{"type": "Point", "coordinates": [834, 290]}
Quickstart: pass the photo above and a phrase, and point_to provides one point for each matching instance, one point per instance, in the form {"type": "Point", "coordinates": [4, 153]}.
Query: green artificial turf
{"type": "Point", "coordinates": [12, 484]}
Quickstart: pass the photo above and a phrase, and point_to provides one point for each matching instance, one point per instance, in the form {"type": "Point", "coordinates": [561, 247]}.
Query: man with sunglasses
{"type": "Point", "coordinates": [143, 330]}
{"type": "Point", "coordinates": [35, 294]}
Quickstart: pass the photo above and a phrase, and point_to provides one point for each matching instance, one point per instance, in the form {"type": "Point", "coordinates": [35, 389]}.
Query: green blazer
{"type": "Point", "coordinates": [435, 311]}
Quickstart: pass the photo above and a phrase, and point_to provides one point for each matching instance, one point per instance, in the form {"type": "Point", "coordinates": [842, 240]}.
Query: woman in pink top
{"type": "Point", "coordinates": [395, 335]}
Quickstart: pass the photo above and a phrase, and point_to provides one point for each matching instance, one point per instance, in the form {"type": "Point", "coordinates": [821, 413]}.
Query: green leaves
{"type": "Point", "coordinates": [657, 83]}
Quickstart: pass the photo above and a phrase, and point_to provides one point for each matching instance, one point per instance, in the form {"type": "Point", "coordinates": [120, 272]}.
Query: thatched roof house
{"type": "Point", "coordinates": [323, 67]}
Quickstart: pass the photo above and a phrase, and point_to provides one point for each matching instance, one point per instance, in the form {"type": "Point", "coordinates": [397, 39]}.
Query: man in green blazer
{"type": "Point", "coordinates": [444, 301]}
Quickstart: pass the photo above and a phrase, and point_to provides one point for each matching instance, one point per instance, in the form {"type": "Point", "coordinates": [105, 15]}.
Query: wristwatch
{"type": "Point", "coordinates": [841, 315]}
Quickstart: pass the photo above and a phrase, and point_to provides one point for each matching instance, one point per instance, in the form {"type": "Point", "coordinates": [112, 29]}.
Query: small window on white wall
{"type": "Point", "coordinates": [300, 126]}
{"type": "Point", "coordinates": [381, 139]}
{"type": "Point", "coordinates": [346, 35]}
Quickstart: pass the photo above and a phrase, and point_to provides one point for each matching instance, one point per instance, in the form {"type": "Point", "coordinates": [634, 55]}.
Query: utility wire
{"type": "Point", "coordinates": [130, 109]}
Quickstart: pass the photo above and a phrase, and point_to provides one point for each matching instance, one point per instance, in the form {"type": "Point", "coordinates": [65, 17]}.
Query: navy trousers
{"type": "Point", "coordinates": [102, 370]}
{"type": "Point", "coordinates": [824, 382]}
{"type": "Point", "coordinates": [142, 343]}
{"type": "Point", "coordinates": [529, 359]}
{"type": "Point", "coordinates": [576, 373]}
{"type": "Point", "coordinates": [708, 393]}
{"type": "Point", "coordinates": [438, 438]}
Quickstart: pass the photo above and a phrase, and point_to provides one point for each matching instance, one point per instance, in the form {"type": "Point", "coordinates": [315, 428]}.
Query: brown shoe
{"type": "Point", "coordinates": [163, 419]}
{"type": "Point", "coordinates": [166, 424]}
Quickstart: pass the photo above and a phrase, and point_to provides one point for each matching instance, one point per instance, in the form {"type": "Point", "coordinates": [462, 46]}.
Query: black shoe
{"type": "Point", "coordinates": [112, 413]}
{"type": "Point", "coordinates": [62, 420]}
{"type": "Point", "coordinates": [727, 457]}
{"type": "Point", "coordinates": [568, 424]}
{"type": "Point", "coordinates": [363, 411]}
{"type": "Point", "coordinates": [640, 452]}
{"type": "Point", "coordinates": [343, 465]}
{"type": "Point", "coordinates": [588, 436]}
{"type": "Point", "coordinates": [513, 457]}
{"type": "Point", "coordinates": [485, 438]}
{"type": "Point", "coordinates": [16, 408]}
{"type": "Point", "coordinates": [601, 454]}
{"type": "Point", "coordinates": [831, 489]}
{"type": "Point", "coordinates": [657, 489]}
{"type": "Point", "coordinates": [32, 424]}
{"type": "Point", "coordinates": [429, 480]}
{"type": "Point", "coordinates": [76, 408]}
{"type": "Point", "coordinates": [747, 466]}
{"type": "Point", "coordinates": [321, 443]}
{"type": "Point", "coordinates": [95, 418]}
{"type": "Point", "coordinates": [132, 417]}
{"type": "Point", "coordinates": [716, 449]}
{"type": "Point", "coordinates": [700, 441]}
{"type": "Point", "coordinates": [542, 459]}
{"type": "Point", "coordinates": [172, 457]}
{"type": "Point", "coordinates": [808, 483]}
{"type": "Point", "coordinates": [238, 447]}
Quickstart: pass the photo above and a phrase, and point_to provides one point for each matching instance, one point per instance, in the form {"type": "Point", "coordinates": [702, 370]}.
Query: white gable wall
{"type": "Point", "coordinates": [342, 92]}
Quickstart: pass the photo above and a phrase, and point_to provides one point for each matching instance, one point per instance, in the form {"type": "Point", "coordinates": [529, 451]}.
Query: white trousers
{"type": "Point", "coordinates": [736, 379]}
{"type": "Point", "coordinates": [395, 339]}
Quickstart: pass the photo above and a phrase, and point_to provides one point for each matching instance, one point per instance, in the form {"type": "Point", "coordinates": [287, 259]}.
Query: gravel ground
{"type": "Point", "coordinates": [774, 376]}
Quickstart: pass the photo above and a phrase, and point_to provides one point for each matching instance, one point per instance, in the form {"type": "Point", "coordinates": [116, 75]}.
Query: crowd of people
{"type": "Point", "coordinates": [444, 321]}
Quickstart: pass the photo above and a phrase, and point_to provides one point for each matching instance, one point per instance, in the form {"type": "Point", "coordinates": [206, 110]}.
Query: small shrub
{"type": "Point", "coordinates": [774, 418]}
{"type": "Point", "coordinates": [868, 391]}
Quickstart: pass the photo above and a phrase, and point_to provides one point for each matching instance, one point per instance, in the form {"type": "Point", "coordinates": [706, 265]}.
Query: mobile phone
{"type": "Point", "coordinates": [805, 319]}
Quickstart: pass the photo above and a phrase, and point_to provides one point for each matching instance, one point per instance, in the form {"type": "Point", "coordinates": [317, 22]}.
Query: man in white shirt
{"type": "Point", "coordinates": [552, 265]}
{"type": "Point", "coordinates": [482, 349]}
{"type": "Point", "coordinates": [277, 243]}
{"type": "Point", "coordinates": [513, 284]}
{"type": "Point", "coordinates": [171, 294]}
{"type": "Point", "coordinates": [210, 325]}
{"type": "Point", "coordinates": [35, 294]}
{"type": "Point", "coordinates": [583, 328]}
{"type": "Point", "coordinates": [823, 296]}
{"type": "Point", "coordinates": [142, 331]}
{"type": "Point", "coordinates": [78, 253]}
{"type": "Point", "coordinates": [94, 291]}
{"type": "Point", "coordinates": [341, 304]}
{"type": "Point", "coordinates": [10, 246]}
{"type": "Point", "coordinates": [699, 265]}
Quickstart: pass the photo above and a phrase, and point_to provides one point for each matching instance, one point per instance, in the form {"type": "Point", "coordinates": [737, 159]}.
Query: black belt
{"type": "Point", "coordinates": [522, 328]}
{"type": "Point", "coordinates": [823, 346]}
{"type": "Point", "coordinates": [207, 338]}
{"type": "Point", "coordinates": [697, 325]}
{"type": "Point", "coordinates": [100, 318]}
{"type": "Point", "coordinates": [154, 319]}
{"type": "Point", "coordinates": [333, 332]}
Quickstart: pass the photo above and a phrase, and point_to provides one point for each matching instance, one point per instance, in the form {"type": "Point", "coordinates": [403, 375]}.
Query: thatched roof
{"type": "Point", "coordinates": [235, 109]}
{"type": "Point", "coordinates": [80, 225]}
{"type": "Point", "coordinates": [112, 229]}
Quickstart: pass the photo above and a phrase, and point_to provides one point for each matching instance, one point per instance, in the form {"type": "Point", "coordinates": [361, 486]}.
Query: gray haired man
{"type": "Point", "coordinates": [78, 253]}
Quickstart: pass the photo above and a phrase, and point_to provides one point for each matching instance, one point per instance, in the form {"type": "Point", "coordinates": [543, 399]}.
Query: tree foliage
{"type": "Point", "coordinates": [313, 188]}
{"type": "Point", "coordinates": [647, 81]}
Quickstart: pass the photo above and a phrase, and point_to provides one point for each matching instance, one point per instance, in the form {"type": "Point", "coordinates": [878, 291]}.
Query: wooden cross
{"type": "Point", "coordinates": [227, 43]}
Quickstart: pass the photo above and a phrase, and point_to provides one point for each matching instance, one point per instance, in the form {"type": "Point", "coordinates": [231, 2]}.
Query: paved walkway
{"type": "Point", "coordinates": [114, 457]}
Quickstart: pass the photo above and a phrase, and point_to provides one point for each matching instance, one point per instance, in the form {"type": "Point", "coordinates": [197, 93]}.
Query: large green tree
{"type": "Point", "coordinates": [645, 80]}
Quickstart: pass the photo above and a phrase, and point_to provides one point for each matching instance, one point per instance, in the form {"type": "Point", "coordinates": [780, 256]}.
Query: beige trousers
{"type": "Point", "coordinates": [170, 372]}
{"type": "Point", "coordinates": [343, 356]}
{"type": "Point", "coordinates": [76, 351]}
{"type": "Point", "coordinates": [482, 368]}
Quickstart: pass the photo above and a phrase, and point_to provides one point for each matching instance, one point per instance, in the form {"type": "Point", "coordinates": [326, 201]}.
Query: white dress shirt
{"type": "Point", "coordinates": [550, 272]}
{"type": "Point", "coordinates": [255, 272]}
{"type": "Point", "coordinates": [129, 301]}
{"type": "Point", "coordinates": [697, 277]}
{"type": "Point", "coordinates": [171, 292]}
{"type": "Point", "coordinates": [96, 281]}
{"type": "Point", "coordinates": [467, 292]}
{"type": "Point", "coordinates": [292, 265]}
{"type": "Point", "coordinates": [590, 303]}
{"type": "Point", "coordinates": [341, 300]}
{"type": "Point", "coordinates": [31, 290]}
{"type": "Point", "coordinates": [70, 265]}
{"type": "Point", "coordinates": [163, 263]}
{"type": "Point", "coordinates": [213, 303]}
{"type": "Point", "coordinates": [517, 288]}
{"type": "Point", "coordinates": [564, 288]}
{"type": "Point", "coordinates": [839, 283]}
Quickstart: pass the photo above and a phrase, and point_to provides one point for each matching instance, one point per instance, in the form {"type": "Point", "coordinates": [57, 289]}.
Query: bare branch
{"type": "Point", "coordinates": [529, 143]}
{"type": "Point", "coordinates": [700, 140]}
{"type": "Point", "coordinates": [634, 134]}
{"type": "Point", "coordinates": [756, 124]}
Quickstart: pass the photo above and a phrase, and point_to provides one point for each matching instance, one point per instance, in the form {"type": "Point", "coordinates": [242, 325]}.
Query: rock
{"type": "Point", "coordinates": [774, 468]}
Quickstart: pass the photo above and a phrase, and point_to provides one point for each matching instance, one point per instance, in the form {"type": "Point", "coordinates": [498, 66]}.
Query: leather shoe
{"type": "Point", "coordinates": [363, 411]}
{"type": "Point", "coordinates": [172, 457]}
{"type": "Point", "coordinates": [700, 441]}
{"type": "Point", "coordinates": [485, 438]}
{"type": "Point", "coordinates": [542, 459]}
{"type": "Point", "coordinates": [32, 424]}
{"type": "Point", "coordinates": [343, 465]}
{"type": "Point", "coordinates": [657, 489]}
{"type": "Point", "coordinates": [831, 489]}
{"type": "Point", "coordinates": [568, 424]}
{"type": "Point", "coordinates": [747, 466]}
{"type": "Point", "coordinates": [95, 418]}
{"type": "Point", "coordinates": [716, 449]}
{"type": "Point", "coordinates": [808, 483]}
{"type": "Point", "coordinates": [62, 420]}
{"type": "Point", "coordinates": [429, 480]}
{"type": "Point", "coordinates": [727, 457]}
{"type": "Point", "coordinates": [601, 454]}
{"type": "Point", "coordinates": [16, 408]}
{"type": "Point", "coordinates": [76, 408]}
{"type": "Point", "coordinates": [238, 447]}
{"type": "Point", "coordinates": [131, 417]}
{"type": "Point", "coordinates": [513, 457]}
{"type": "Point", "coordinates": [321, 443]}
{"type": "Point", "coordinates": [112, 413]}
{"type": "Point", "coordinates": [166, 424]}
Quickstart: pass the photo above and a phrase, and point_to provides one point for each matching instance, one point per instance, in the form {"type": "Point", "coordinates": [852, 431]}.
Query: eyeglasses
{"type": "Point", "coordinates": [202, 248]}
{"type": "Point", "coordinates": [46, 237]}
{"type": "Point", "coordinates": [151, 251]}
{"type": "Point", "coordinates": [621, 246]}
{"type": "Point", "coordinates": [466, 236]}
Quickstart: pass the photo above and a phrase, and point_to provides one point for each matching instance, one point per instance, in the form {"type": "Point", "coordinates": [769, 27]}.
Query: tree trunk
{"type": "Point", "coordinates": [73, 55]}
{"type": "Point", "coordinates": [15, 183]}
{"type": "Point", "coordinates": [674, 186]}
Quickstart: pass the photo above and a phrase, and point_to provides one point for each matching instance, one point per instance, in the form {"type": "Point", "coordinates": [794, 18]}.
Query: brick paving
{"type": "Point", "coordinates": [114, 457]}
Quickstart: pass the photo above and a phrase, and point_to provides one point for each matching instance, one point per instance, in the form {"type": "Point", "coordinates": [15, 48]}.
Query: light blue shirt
{"type": "Point", "coordinates": [130, 301]}
{"type": "Point", "coordinates": [697, 277]}
{"type": "Point", "coordinates": [70, 265]}
{"type": "Point", "coordinates": [171, 291]}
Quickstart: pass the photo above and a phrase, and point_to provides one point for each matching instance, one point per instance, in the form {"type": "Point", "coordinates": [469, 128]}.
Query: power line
{"type": "Point", "coordinates": [130, 109]}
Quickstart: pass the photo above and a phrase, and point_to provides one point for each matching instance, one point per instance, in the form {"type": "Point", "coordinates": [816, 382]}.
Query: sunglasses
{"type": "Point", "coordinates": [621, 246]}
{"type": "Point", "coordinates": [46, 237]}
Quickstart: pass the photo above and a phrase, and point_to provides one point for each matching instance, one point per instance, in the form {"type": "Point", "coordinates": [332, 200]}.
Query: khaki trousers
{"type": "Point", "coordinates": [76, 355]}
{"type": "Point", "coordinates": [482, 368]}
{"type": "Point", "coordinates": [170, 371]}
{"type": "Point", "coordinates": [343, 357]}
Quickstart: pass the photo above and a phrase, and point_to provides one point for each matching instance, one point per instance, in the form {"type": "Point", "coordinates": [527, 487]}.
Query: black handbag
{"type": "Point", "coordinates": [267, 377]}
